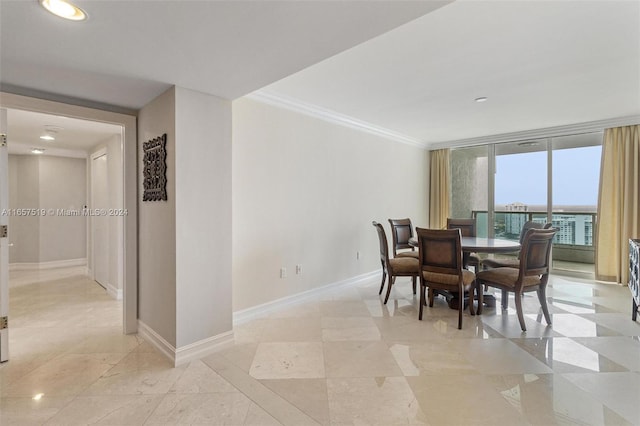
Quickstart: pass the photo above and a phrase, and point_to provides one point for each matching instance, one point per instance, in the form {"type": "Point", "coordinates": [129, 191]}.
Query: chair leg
{"type": "Point", "coordinates": [413, 281]}
{"type": "Point", "coordinates": [422, 300]}
{"type": "Point", "coordinates": [543, 303]}
{"type": "Point", "coordinates": [384, 277]}
{"type": "Point", "coordinates": [460, 307]}
{"type": "Point", "coordinates": [431, 297]}
{"type": "Point", "coordinates": [518, 299]}
{"type": "Point", "coordinates": [390, 282]}
{"type": "Point", "coordinates": [480, 297]}
{"type": "Point", "coordinates": [505, 299]}
{"type": "Point", "coordinates": [472, 310]}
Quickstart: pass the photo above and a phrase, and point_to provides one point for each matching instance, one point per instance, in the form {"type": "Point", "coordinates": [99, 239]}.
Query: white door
{"type": "Point", "coordinates": [99, 221]}
{"type": "Point", "coordinates": [4, 244]}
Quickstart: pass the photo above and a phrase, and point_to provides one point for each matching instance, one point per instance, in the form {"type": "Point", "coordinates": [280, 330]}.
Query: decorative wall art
{"type": "Point", "coordinates": [155, 169]}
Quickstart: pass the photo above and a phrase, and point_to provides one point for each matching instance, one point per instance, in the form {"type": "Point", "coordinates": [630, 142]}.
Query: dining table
{"type": "Point", "coordinates": [477, 245]}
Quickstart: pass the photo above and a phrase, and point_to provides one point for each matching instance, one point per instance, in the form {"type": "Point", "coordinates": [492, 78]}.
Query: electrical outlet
{"type": "Point", "coordinates": [298, 269]}
{"type": "Point", "coordinates": [283, 272]}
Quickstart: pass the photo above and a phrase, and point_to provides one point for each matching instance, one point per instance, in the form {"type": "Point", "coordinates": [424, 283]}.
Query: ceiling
{"type": "Point", "coordinates": [411, 67]}
{"type": "Point", "coordinates": [73, 137]}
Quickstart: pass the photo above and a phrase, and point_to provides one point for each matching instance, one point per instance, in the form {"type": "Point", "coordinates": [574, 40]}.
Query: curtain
{"type": "Point", "coordinates": [440, 177]}
{"type": "Point", "coordinates": [618, 202]}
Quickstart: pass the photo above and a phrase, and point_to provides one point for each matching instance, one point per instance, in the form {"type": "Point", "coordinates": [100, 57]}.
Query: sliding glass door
{"type": "Point", "coordinates": [545, 180]}
{"type": "Point", "coordinates": [576, 173]}
{"type": "Point", "coordinates": [521, 186]}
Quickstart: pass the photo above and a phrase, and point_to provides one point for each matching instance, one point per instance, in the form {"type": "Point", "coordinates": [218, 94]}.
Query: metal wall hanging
{"type": "Point", "coordinates": [155, 169]}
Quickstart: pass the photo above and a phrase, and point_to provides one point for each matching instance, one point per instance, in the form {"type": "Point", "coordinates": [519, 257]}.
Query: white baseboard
{"type": "Point", "coordinates": [186, 353]}
{"type": "Point", "coordinates": [203, 347]}
{"type": "Point", "coordinates": [47, 265]}
{"type": "Point", "coordinates": [259, 311]}
{"type": "Point", "coordinates": [114, 292]}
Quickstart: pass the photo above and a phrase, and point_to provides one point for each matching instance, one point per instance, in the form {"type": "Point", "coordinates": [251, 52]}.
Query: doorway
{"type": "Point", "coordinates": [127, 227]}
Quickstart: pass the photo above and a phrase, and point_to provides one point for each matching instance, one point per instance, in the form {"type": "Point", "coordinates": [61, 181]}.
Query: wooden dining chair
{"type": "Point", "coordinates": [514, 262]}
{"type": "Point", "coordinates": [532, 273]}
{"type": "Point", "coordinates": [394, 267]}
{"type": "Point", "coordinates": [468, 229]}
{"type": "Point", "coordinates": [401, 232]}
{"type": "Point", "coordinates": [441, 267]}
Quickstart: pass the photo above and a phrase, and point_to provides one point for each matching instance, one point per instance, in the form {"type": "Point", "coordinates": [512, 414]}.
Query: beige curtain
{"type": "Point", "coordinates": [440, 173]}
{"type": "Point", "coordinates": [618, 202]}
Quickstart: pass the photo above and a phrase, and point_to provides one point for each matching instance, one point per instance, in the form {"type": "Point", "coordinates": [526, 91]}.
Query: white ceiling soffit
{"type": "Point", "coordinates": [128, 52]}
{"type": "Point", "coordinates": [541, 65]}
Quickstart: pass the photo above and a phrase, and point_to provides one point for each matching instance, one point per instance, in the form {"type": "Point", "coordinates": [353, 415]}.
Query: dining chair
{"type": "Point", "coordinates": [401, 231]}
{"type": "Point", "coordinates": [514, 262]}
{"type": "Point", "coordinates": [532, 273]}
{"type": "Point", "coordinates": [441, 267]}
{"type": "Point", "coordinates": [468, 229]}
{"type": "Point", "coordinates": [394, 267]}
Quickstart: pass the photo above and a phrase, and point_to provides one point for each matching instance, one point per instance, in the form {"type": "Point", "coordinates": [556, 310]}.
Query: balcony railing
{"type": "Point", "coordinates": [574, 241]}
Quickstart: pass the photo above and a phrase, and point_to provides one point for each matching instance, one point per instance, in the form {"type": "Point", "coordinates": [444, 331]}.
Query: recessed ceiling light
{"type": "Point", "coordinates": [64, 9]}
{"type": "Point", "coordinates": [37, 397]}
{"type": "Point", "coordinates": [37, 151]}
{"type": "Point", "coordinates": [48, 137]}
{"type": "Point", "coordinates": [481, 99]}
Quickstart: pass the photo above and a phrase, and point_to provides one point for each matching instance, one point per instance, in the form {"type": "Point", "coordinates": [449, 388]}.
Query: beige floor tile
{"type": "Point", "coordinates": [203, 408]}
{"type": "Point", "coordinates": [565, 355]}
{"type": "Point", "coordinates": [437, 358]}
{"type": "Point", "coordinates": [349, 328]}
{"type": "Point", "coordinates": [462, 400]}
{"type": "Point", "coordinates": [623, 350]}
{"type": "Point", "coordinates": [137, 374]}
{"type": "Point", "coordinates": [259, 417]}
{"type": "Point", "coordinates": [620, 323]}
{"type": "Point", "coordinates": [618, 391]}
{"type": "Point", "coordinates": [200, 378]}
{"type": "Point", "coordinates": [548, 399]}
{"type": "Point", "coordinates": [288, 330]}
{"type": "Point", "coordinates": [241, 354]}
{"type": "Point", "coordinates": [309, 395]}
{"type": "Point", "coordinates": [65, 375]}
{"type": "Point", "coordinates": [501, 356]}
{"type": "Point", "coordinates": [571, 325]}
{"type": "Point", "coordinates": [107, 410]}
{"type": "Point", "coordinates": [359, 359]}
{"type": "Point", "coordinates": [290, 360]}
{"type": "Point", "coordinates": [27, 411]}
{"type": "Point", "coordinates": [350, 308]}
{"type": "Point", "coordinates": [388, 401]}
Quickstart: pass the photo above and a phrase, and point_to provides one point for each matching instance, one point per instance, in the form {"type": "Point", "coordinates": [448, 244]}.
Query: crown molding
{"type": "Point", "coordinates": [332, 117]}
{"type": "Point", "coordinates": [565, 130]}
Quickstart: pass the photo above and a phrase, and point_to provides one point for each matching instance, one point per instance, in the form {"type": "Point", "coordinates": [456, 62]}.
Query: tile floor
{"type": "Point", "coordinates": [344, 359]}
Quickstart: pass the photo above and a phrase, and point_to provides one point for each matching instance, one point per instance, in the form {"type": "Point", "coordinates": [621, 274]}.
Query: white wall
{"type": "Point", "coordinates": [203, 216]}
{"type": "Point", "coordinates": [185, 242]}
{"type": "Point", "coordinates": [157, 226]}
{"type": "Point", "coordinates": [305, 192]}
{"type": "Point", "coordinates": [47, 182]}
{"type": "Point", "coordinates": [63, 186]}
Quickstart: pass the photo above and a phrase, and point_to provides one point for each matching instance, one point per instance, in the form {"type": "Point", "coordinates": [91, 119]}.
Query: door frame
{"type": "Point", "coordinates": [130, 185]}
{"type": "Point", "coordinates": [4, 241]}
{"type": "Point", "coordinates": [91, 249]}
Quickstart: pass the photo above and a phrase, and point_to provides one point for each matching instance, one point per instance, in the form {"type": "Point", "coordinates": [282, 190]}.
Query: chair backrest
{"type": "Point", "coordinates": [466, 226]}
{"type": "Point", "coordinates": [382, 237]}
{"type": "Point", "coordinates": [401, 231]}
{"type": "Point", "coordinates": [440, 250]}
{"type": "Point", "coordinates": [535, 252]}
{"type": "Point", "coordinates": [530, 225]}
